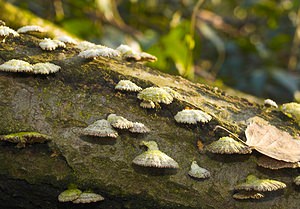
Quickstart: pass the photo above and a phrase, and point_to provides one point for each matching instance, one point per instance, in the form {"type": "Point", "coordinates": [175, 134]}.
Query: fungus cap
{"type": "Point", "coordinates": [146, 57]}
{"type": "Point", "coordinates": [172, 92]}
{"type": "Point", "coordinates": [123, 48]}
{"type": "Point", "coordinates": [260, 185]}
{"type": "Point", "coordinates": [45, 68]}
{"type": "Point", "coordinates": [67, 39]}
{"type": "Point", "coordinates": [119, 121]}
{"type": "Point", "coordinates": [154, 157]}
{"type": "Point", "coordinates": [15, 65]}
{"type": "Point", "coordinates": [192, 116]}
{"type": "Point", "coordinates": [197, 172]}
{"type": "Point", "coordinates": [69, 195]}
{"type": "Point", "coordinates": [6, 31]}
{"type": "Point", "coordinates": [270, 103]}
{"type": "Point", "coordinates": [139, 128]}
{"type": "Point", "coordinates": [88, 197]}
{"type": "Point", "coordinates": [48, 44]}
{"type": "Point", "coordinates": [227, 145]}
{"type": "Point", "coordinates": [243, 195]}
{"type": "Point", "coordinates": [85, 45]}
{"type": "Point", "coordinates": [127, 85]}
{"type": "Point", "coordinates": [271, 163]}
{"type": "Point", "coordinates": [156, 95]}
{"type": "Point", "coordinates": [292, 110]}
{"type": "Point", "coordinates": [100, 128]}
{"type": "Point", "coordinates": [23, 138]}
{"type": "Point", "coordinates": [297, 180]}
{"type": "Point", "coordinates": [31, 28]}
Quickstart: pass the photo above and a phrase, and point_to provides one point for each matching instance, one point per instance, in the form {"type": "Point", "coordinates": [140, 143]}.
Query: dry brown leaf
{"type": "Point", "coordinates": [271, 141]}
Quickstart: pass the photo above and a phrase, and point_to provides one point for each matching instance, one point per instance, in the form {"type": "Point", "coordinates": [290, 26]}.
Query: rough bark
{"type": "Point", "coordinates": [83, 91]}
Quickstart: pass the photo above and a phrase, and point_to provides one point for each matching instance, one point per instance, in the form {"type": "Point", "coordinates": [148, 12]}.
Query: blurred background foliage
{"type": "Point", "coordinates": [249, 45]}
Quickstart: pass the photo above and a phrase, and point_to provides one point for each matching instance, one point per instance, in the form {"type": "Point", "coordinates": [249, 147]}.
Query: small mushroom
{"type": "Point", "coordinates": [31, 28]}
{"type": "Point", "coordinates": [45, 68]}
{"type": "Point", "coordinates": [15, 65]}
{"type": "Point", "coordinates": [127, 85]}
{"type": "Point", "coordinates": [146, 57]}
{"type": "Point", "coordinates": [100, 128]}
{"type": "Point", "coordinates": [192, 116]}
{"type": "Point", "coordinates": [260, 185]}
{"type": "Point", "coordinates": [292, 110]}
{"type": "Point", "coordinates": [270, 103]}
{"type": "Point", "coordinates": [297, 180]}
{"type": "Point", "coordinates": [227, 145]}
{"type": "Point", "coordinates": [271, 163]}
{"type": "Point", "coordinates": [153, 157]}
{"type": "Point", "coordinates": [198, 172]}
{"type": "Point", "coordinates": [243, 195]}
{"type": "Point", "coordinates": [139, 128]}
{"type": "Point", "coordinates": [71, 194]}
{"type": "Point", "coordinates": [119, 122]}
{"type": "Point", "coordinates": [155, 95]}
{"type": "Point", "coordinates": [88, 197]}
{"type": "Point", "coordinates": [23, 138]}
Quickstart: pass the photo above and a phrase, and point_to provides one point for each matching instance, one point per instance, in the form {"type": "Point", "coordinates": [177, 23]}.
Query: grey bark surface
{"type": "Point", "coordinates": [60, 105]}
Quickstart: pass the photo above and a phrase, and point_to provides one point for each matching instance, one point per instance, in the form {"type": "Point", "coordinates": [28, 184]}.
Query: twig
{"type": "Point", "coordinates": [234, 135]}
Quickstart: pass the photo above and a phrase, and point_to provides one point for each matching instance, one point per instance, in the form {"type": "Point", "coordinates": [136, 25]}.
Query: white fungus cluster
{"type": "Point", "coordinates": [129, 54]}
{"type": "Point", "coordinates": [99, 52]}
{"type": "Point", "coordinates": [6, 31]}
{"type": "Point", "coordinates": [66, 40]}
{"type": "Point", "coordinates": [49, 44]}
{"type": "Point", "coordinates": [192, 116]}
{"type": "Point", "coordinates": [16, 65]}
{"type": "Point", "coordinates": [127, 85]}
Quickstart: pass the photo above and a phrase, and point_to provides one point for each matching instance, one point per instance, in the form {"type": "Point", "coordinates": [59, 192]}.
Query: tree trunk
{"type": "Point", "coordinates": [60, 105]}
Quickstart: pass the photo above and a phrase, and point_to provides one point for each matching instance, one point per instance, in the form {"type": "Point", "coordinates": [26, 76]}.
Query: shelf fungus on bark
{"type": "Point", "coordinates": [154, 95]}
{"type": "Point", "coordinates": [16, 65]}
{"type": "Point", "coordinates": [71, 194]}
{"type": "Point", "coordinates": [297, 180]}
{"type": "Point", "coordinates": [260, 185]}
{"type": "Point", "coordinates": [6, 31]}
{"type": "Point", "coordinates": [101, 51]}
{"type": "Point", "coordinates": [227, 145]}
{"type": "Point", "coordinates": [23, 138]}
{"type": "Point", "coordinates": [270, 103]}
{"type": "Point", "coordinates": [30, 29]}
{"type": "Point", "coordinates": [139, 128]}
{"type": "Point", "coordinates": [292, 110]}
{"type": "Point", "coordinates": [88, 197]}
{"type": "Point", "coordinates": [153, 157]}
{"type": "Point", "coordinates": [127, 85]}
{"type": "Point", "coordinates": [50, 45]}
{"type": "Point", "coordinates": [119, 122]}
{"type": "Point", "coordinates": [129, 54]}
{"type": "Point", "coordinates": [172, 92]}
{"type": "Point", "coordinates": [45, 68]}
{"type": "Point", "coordinates": [192, 116]}
{"type": "Point", "coordinates": [197, 172]}
{"type": "Point", "coordinates": [66, 39]}
{"type": "Point", "coordinates": [243, 195]}
{"type": "Point", "coordinates": [100, 128]}
{"type": "Point", "coordinates": [271, 163]}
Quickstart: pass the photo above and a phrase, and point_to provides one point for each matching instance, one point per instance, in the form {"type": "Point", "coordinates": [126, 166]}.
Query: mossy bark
{"type": "Point", "coordinates": [83, 91]}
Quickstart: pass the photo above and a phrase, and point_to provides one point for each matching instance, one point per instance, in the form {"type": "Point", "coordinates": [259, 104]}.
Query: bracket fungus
{"type": "Point", "coordinates": [66, 40]}
{"type": "Point", "coordinates": [16, 65]}
{"type": "Point", "coordinates": [197, 172]}
{"type": "Point", "coordinates": [270, 163]}
{"type": "Point", "coordinates": [172, 92]}
{"type": "Point", "coordinates": [227, 145]}
{"type": "Point", "coordinates": [99, 52]}
{"type": "Point", "coordinates": [297, 180]}
{"type": "Point", "coordinates": [100, 128]}
{"type": "Point", "coordinates": [243, 195]}
{"type": "Point", "coordinates": [129, 54]}
{"type": "Point", "coordinates": [292, 110]}
{"type": "Point", "coordinates": [153, 157]}
{"type": "Point", "coordinates": [6, 31]}
{"type": "Point", "coordinates": [23, 138]}
{"type": "Point", "coordinates": [270, 103]}
{"type": "Point", "coordinates": [88, 197]}
{"type": "Point", "coordinates": [139, 128]}
{"type": "Point", "coordinates": [49, 44]}
{"type": "Point", "coordinates": [31, 28]}
{"type": "Point", "coordinates": [154, 95]}
{"type": "Point", "coordinates": [119, 122]}
{"type": "Point", "coordinates": [127, 85]}
{"type": "Point", "coordinates": [45, 68]}
{"type": "Point", "coordinates": [260, 185]}
{"type": "Point", "coordinates": [270, 141]}
{"type": "Point", "coordinates": [71, 194]}
{"type": "Point", "coordinates": [192, 116]}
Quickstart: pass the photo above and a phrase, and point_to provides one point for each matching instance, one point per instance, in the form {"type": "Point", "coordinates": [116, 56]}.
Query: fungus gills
{"type": "Point", "coordinates": [100, 128]}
